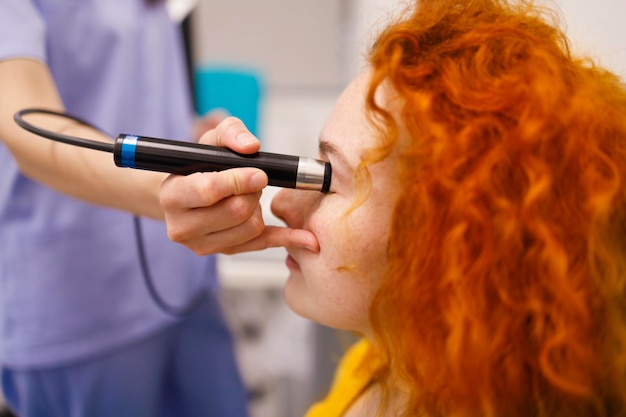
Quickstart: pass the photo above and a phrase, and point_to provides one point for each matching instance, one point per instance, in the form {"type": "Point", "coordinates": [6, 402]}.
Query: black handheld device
{"type": "Point", "coordinates": [183, 158]}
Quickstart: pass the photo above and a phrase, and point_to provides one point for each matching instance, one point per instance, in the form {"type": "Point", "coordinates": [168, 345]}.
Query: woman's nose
{"type": "Point", "coordinates": [291, 206]}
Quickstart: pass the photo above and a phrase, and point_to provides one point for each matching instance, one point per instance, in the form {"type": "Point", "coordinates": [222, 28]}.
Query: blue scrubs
{"type": "Point", "coordinates": [78, 330]}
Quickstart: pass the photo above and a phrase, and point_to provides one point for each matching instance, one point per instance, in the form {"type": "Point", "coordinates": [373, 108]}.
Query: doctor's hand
{"type": "Point", "coordinates": [220, 212]}
{"type": "Point", "coordinates": [208, 121]}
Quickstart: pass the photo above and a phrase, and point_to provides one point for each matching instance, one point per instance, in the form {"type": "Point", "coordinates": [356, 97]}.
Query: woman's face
{"type": "Point", "coordinates": [335, 286]}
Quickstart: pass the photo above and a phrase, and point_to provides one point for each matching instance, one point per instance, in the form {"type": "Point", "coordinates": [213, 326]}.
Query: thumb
{"type": "Point", "coordinates": [277, 236]}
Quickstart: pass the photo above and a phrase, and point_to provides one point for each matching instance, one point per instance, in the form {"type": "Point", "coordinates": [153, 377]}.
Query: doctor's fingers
{"type": "Point", "coordinates": [208, 188]}
{"type": "Point", "coordinates": [207, 122]}
{"type": "Point", "coordinates": [233, 134]}
{"type": "Point", "coordinates": [214, 229]}
{"type": "Point", "coordinates": [278, 236]}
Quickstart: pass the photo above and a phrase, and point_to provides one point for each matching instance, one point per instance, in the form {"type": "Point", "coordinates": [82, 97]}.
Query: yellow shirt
{"type": "Point", "coordinates": [351, 379]}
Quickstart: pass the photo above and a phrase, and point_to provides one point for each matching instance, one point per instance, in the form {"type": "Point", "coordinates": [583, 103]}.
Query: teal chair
{"type": "Point", "coordinates": [235, 89]}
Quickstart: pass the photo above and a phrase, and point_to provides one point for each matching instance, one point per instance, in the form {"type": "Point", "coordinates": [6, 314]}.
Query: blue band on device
{"type": "Point", "coordinates": [129, 146]}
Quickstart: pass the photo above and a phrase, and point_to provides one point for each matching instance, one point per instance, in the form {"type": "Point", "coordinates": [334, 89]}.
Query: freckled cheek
{"type": "Point", "coordinates": [355, 241]}
{"type": "Point", "coordinates": [334, 233]}
{"type": "Point", "coordinates": [368, 247]}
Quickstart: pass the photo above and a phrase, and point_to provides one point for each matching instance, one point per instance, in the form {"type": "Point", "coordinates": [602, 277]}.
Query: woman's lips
{"type": "Point", "coordinates": [292, 264]}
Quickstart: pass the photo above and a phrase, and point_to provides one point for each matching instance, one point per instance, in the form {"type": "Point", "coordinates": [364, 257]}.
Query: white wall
{"type": "Point", "coordinates": [597, 29]}
{"type": "Point", "coordinates": [294, 43]}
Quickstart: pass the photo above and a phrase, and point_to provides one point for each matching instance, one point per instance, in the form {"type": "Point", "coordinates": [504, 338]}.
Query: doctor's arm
{"type": "Point", "coordinates": [87, 174]}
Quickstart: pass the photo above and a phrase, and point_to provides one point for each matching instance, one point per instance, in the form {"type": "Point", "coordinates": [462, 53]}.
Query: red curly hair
{"type": "Point", "coordinates": [505, 291]}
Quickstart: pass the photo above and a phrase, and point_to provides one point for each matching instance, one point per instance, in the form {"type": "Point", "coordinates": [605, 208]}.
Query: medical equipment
{"type": "Point", "coordinates": [178, 157]}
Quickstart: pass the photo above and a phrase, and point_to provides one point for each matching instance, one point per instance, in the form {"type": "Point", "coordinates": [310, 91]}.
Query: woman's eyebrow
{"type": "Point", "coordinates": [327, 149]}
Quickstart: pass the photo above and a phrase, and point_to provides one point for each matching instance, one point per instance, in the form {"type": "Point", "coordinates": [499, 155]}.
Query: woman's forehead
{"type": "Point", "coordinates": [347, 127]}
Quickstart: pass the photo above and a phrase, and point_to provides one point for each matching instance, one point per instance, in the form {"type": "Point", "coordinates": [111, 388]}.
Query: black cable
{"type": "Point", "coordinates": [177, 311]}
{"type": "Point", "coordinates": [59, 137]}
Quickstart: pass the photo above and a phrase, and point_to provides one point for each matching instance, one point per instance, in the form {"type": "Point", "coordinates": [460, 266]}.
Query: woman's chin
{"type": "Point", "coordinates": [292, 292]}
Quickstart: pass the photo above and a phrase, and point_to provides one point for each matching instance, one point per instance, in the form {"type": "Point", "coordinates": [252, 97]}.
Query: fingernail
{"type": "Point", "coordinates": [258, 180]}
{"type": "Point", "coordinates": [312, 246]}
{"type": "Point", "coordinates": [247, 138]}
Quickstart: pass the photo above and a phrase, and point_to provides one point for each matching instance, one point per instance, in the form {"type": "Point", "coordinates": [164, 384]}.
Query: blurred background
{"type": "Point", "coordinates": [280, 65]}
